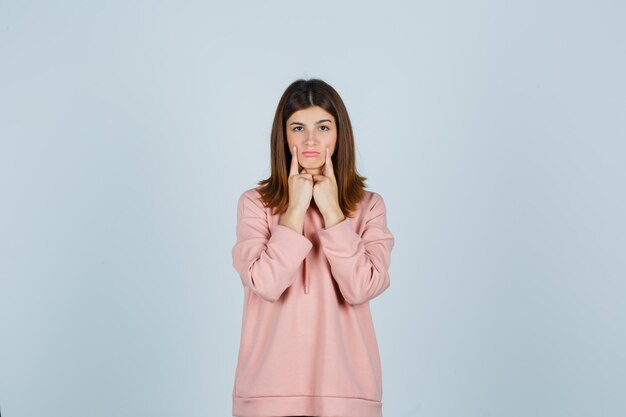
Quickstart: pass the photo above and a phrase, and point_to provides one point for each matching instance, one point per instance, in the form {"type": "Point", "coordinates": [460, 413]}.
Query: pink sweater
{"type": "Point", "coordinates": [308, 345]}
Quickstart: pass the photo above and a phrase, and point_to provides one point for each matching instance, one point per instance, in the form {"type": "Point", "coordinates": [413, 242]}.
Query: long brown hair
{"type": "Point", "coordinates": [302, 94]}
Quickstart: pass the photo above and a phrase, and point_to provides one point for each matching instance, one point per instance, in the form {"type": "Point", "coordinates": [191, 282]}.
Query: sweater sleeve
{"type": "Point", "coordinates": [266, 259]}
{"type": "Point", "coordinates": [360, 264]}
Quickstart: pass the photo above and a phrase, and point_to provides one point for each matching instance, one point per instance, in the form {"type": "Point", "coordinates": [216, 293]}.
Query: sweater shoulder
{"type": "Point", "coordinates": [250, 200]}
{"type": "Point", "coordinates": [251, 193]}
{"type": "Point", "coordinates": [371, 199]}
{"type": "Point", "coordinates": [369, 206]}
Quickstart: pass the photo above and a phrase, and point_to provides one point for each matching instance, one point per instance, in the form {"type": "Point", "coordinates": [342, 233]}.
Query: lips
{"type": "Point", "coordinates": [310, 153]}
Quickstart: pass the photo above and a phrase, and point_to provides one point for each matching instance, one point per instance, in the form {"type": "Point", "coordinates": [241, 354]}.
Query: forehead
{"type": "Point", "coordinates": [310, 114]}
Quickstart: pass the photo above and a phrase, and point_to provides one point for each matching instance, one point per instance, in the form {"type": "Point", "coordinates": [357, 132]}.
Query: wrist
{"type": "Point", "coordinates": [296, 211]}
{"type": "Point", "coordinates": [294, 219]}
{"type": "Point", "coordinates": [333, 217]}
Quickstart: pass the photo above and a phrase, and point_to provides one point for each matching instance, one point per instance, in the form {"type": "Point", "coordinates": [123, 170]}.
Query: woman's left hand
{"type": "Point", "coordinates": [325, 194]}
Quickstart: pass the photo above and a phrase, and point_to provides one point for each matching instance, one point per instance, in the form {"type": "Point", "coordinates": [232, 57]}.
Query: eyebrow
{"type": "Point", "coordinates": [317, 123]}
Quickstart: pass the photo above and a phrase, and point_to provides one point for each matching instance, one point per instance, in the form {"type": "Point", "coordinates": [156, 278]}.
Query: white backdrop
{"type": "Point", "coordinates": [495, 131]}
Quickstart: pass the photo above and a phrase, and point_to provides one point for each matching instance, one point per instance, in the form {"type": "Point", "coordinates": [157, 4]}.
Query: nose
{"type": "Point", "coordinates": [312, 137]}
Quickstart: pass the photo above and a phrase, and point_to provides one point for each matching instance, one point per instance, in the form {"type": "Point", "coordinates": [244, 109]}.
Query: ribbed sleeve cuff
{"type": "Point", "coordinates": [339, 236]}
{"type": "Point", "coordinates": [294, 243]}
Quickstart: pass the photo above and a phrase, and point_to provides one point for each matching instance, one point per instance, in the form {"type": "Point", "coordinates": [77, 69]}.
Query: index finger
{"type": "Point", "coordinates": [293, 170]}
{"type": "Point", "coordinates": [328, 166]}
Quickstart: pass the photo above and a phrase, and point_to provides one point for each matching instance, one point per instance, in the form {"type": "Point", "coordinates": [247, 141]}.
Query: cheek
{"type": "Point", "coordinates": [332, 143]}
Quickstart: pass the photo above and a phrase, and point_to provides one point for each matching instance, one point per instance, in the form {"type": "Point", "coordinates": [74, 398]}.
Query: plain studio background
{"type": "Point", "coordinates": [495, 131]}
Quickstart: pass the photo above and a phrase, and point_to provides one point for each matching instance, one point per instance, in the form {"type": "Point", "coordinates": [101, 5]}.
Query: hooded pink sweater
{"type": "Point", "coordinates": [308, 345]}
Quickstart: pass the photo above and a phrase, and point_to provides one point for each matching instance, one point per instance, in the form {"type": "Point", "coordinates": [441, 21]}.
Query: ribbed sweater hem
{"type": "Point", "coordinates": [306, 405]}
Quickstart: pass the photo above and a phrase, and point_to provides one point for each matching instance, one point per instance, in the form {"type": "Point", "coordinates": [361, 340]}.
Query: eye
{"type": "Point", "coordinates": [295, 129]}
{"type": "Point", "coordinates": [324, 127]}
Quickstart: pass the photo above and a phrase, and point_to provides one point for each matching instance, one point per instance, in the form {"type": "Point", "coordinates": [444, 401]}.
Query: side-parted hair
{"type": "Point", "coordinates": [300, 95]}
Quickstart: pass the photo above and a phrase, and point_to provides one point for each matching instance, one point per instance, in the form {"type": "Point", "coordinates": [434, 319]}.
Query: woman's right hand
{"type": "Point", "coordinates": [300, 185]}
{"type": "Point", "coordinates": [300, 195]}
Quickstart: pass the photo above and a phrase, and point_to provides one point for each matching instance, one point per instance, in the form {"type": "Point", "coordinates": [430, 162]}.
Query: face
{"type": "Point", "coordinates": [312, 129]}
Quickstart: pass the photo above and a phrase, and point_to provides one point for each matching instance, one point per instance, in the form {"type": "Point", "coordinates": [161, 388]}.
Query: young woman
{"type": "Point", "coordinates": [312, 249]}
